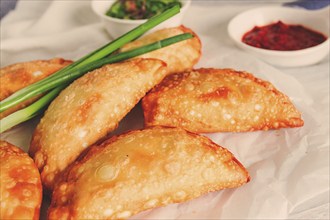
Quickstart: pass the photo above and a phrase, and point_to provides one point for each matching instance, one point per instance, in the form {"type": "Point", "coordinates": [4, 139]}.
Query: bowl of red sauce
{"type": "Point", "coordinates": [283, 36]}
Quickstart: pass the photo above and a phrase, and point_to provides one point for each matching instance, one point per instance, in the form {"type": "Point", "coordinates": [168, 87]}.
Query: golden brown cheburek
{"type": "Point", "coordinates": [143, 169]}
{"type": "Point", "coordinates": [219, 100]}
{"type": "Point", "coordinates": [87, 110]}
{"type": "Point", "coordinates": [20, 184]}
{"type": "Point", "coordinates": [179, 57]}
{"type": "Point", "coordinates": [17, 76]}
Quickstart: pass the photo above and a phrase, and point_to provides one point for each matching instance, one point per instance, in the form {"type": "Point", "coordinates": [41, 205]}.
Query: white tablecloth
{"type": "Point", "coordinates": [289, 168]}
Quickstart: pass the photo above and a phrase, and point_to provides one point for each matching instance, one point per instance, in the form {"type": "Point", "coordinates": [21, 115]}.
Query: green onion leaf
{"type": "Point", "coordinates": [30, 91]}
{"type": "Point", "coordinates": [60, 82]}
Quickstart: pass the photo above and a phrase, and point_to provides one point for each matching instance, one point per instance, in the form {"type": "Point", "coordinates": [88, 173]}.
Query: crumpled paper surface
{"type": "Point", "coordinates": [289, 168]}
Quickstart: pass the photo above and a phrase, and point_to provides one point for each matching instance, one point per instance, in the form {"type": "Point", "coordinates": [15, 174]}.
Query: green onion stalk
{"type": "Point", "coordinates": [30, 91]}
{"type": "Point", "coordinates": [60, 82]}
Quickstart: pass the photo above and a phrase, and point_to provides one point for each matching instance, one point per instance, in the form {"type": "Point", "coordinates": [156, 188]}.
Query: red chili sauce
{"type": "Point", "coordinates": [280, 36]}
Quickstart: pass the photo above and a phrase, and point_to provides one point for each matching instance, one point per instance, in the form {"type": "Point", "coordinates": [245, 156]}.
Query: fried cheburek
{"type": "Point", "coordinates": [219, 100]}
{"type": "Point", "coordinates": [20, 184]}
{"type": "Point", "coordinates": [87, 110]}
{"type": "Point", "coordinates": [17, 76]}
{"type": "Point", "coordinates": [179, 57]}
{"type": "Point", "coordinates": [143, 169]}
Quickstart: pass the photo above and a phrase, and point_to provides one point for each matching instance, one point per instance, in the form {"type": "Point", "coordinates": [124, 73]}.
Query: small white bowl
{"type": "Point", "coordinates": [117, 27]}
{"type": "Point", "coordinates": [315, 20]}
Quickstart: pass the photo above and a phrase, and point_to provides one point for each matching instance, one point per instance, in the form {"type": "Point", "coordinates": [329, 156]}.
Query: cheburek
{"type": "Point", "coordinates": [17, 76]}
{"type": "Point", "coordinates": [219, 100]}
{"type": "Point", "coordinates": [179, 57]}
{"type": "Point", "coordinates": [87, 110]}
{"type": "Point", "coordinates": [143, 169]}
{"type": "Point", "coordinates": [20, 184]}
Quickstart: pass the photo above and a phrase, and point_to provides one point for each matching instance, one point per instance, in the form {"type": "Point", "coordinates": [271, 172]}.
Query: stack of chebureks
{"type": "Point", "coordinates": [167, 162]}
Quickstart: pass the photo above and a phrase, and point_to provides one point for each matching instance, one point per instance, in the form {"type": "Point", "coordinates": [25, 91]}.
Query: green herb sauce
{"type": "Point", "coordinates": [139, 9]}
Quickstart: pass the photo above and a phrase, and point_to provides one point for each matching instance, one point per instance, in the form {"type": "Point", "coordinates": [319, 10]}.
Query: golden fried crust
{"type": "Point", "coordinates": [141, 170]}
{"type": "Point", "coordinates": [87, 110]}
{"type": "Point", "coordinates": [219, 100]}
{"type": "Point", "coordinates": [20, 184]}
{"type": "Point", "coordinates": [179, 57]}
{"type": "Point", "coordinates": [17, 76]}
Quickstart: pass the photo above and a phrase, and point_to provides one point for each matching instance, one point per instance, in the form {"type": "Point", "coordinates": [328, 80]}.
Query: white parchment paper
{"type": "Point", "coordinates": [289, 168]}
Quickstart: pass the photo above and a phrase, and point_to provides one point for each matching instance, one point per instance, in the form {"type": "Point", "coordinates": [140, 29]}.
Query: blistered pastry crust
{"type": "Point", "coordinates": [219, 100]}
{"type": "Point", "coordinates": [141, 170]}
{"type": "Point", "coordinates": [17, 76]}
{"type": "Point", "coordinates": [88, 110]}
{"type": "Point", "coordinates": [179, 57]}
{"type": "Point", "coordinates": [20, 185]}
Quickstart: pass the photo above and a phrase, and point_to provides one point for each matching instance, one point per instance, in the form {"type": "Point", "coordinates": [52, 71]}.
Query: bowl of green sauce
{"type": "Point", "coordinates": [121, 16]}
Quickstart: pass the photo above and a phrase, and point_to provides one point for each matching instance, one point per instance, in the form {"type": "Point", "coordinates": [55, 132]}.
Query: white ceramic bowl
{"type": "Point", "coordinates": [117, 27]}
{"type": "Point", "coordinates": [315, 20]}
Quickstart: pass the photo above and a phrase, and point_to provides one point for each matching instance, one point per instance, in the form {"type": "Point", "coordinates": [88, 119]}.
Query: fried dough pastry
{"type": "Point", "coordinates": [20, 184]}
{"type": "Point", "coordinates": [17, 76]}
{"type": "Point", "coordinates": [143, 169]}
{"type": "Point", "coordinates": [87, 110]}
{"type": "Point", "coordinates": [219, 100]}
{"type": "Point", "coordinates": [179, 57]}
